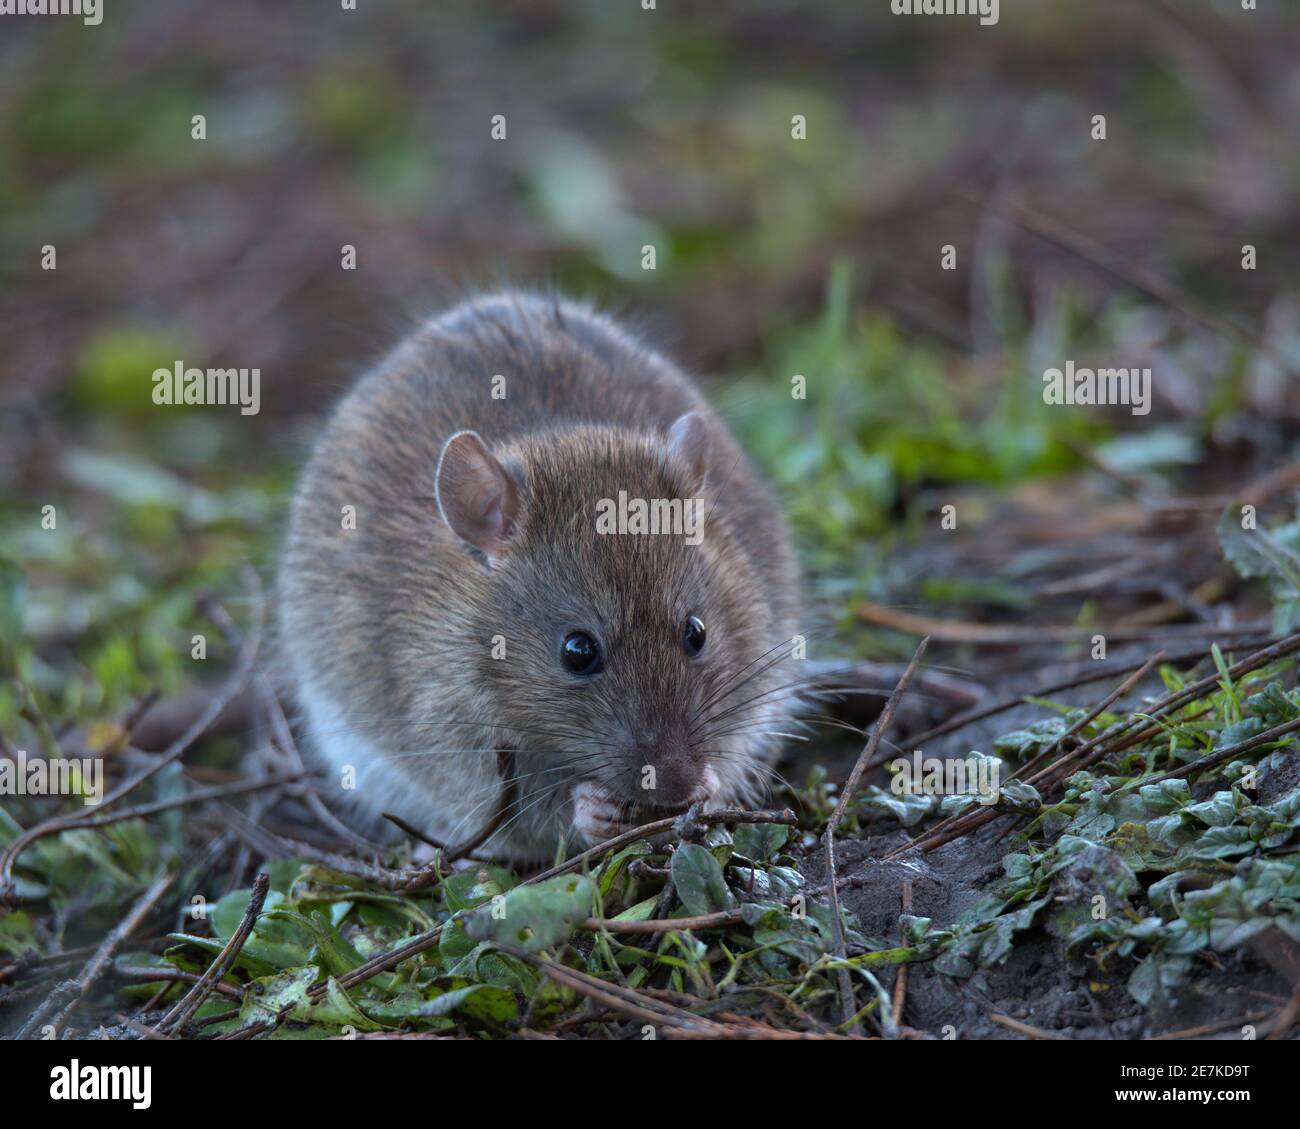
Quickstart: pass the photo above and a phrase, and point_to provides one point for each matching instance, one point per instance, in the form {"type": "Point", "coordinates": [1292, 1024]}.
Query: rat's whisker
{"type": "Point", "coordinates": [726, 682]}
{"type": "Point", "coordinates": [768, 665]}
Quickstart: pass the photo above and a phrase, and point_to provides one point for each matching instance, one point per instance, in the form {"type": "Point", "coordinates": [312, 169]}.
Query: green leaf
{"type": "Point", "coordinates": [486, 1002]}
{"type": "Point", "coordinates": [909, 808]}
{"type": "Point", "coordinates": [618, 862]}
{"type": "Point", "coordinates": [1156, 977]}
{"type": "Point", "coordinates": [468, 888]}
{"type": "Point", "coordinates": [280, 939]}
{"type": "Point", "coordinates": [250, 963]}
{"type": "Point", "coordinates": [485, 964]}
{"type": "Point", "coordinates": [1255, 552]}
{"type": "Point", "coordinates": [699, 881]}
{"type": "Point", "coordinates": [267, 996]}
{"type": "Point", "coordinates": [914, 928]}
{"type": "Point", "coordinates": [535, 917]}
{"type": "Point", "coordinates": [16, 934]}
{"type": "Point", "coordinates": [1218, 811]}
{"type": "Point", "coordinates": [1239, 731]}
{"type": "Point", "coordinates": [1019, 797]}
{"type": "Point", "coordinates": [1273, 705]}
{"type": "Point", "coordinates": [331, 949]}
{"type": "Point", "coordinates": [1223, 843]}
{"type": "Point", "coordinates": [639, 912]}
{"type": "Point", "coordinates": [1166, 797]}
{"type": "Point", "coordinates": [760, 842]}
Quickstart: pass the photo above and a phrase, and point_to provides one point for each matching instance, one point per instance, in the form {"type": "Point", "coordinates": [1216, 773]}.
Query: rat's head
{"type": "Point", "coordinates": [635, 665]}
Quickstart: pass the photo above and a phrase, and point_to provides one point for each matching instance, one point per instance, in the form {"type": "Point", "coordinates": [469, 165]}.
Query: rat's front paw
{"type": "Point", "coordinates": [599, 814]}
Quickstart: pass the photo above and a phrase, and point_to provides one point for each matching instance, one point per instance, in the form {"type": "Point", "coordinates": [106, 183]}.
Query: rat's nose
{"type": "Point", "coordinates": [673, 775]}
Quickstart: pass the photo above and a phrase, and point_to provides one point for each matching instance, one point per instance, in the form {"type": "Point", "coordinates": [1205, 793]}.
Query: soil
{"type": "Point", "coordinates": [1037, 985]}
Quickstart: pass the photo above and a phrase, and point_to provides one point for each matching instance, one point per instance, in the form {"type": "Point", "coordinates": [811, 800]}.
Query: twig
{"type": "Point", "coordinates": [1259, 491]}
{"type": "Point", "coordinates": [202, 795]}
{"type": "Point", "coordinates": [1090, 251]}
{"type": "Point", "coordinates": [505, 769]}
{"type": "Point", "coordinates": [180, 1014]}
{"type": "Point", "coordinates": [965, 631]}
{"type": "Point", "coordinates": [759, 1032]}
{"type": "Point", "coordinates": [1023, 1028]}
{"type": "Point", "coordinates": [847, 1001]}
{"type": "Point", "coordinates": [63, 999]}
{"type": "Point", "coordinates": [172, 975]}
{"type": "Point", "coordinates": [140, 1029]}
{"type": "Point", "coordinates": [720, 920]}
{"type": "Point", "coordinates": [1221, 755]}
{"type": "Point", "coordinates": [1214, 1028]}
{"type": "Point", "coordinates": [283, 736]}
{"type": "Point", "coordinates": [421, 942]}
{"type": "Point", "coordinates": [411, 830]}
{"type": "Point", "coordinates": [233, 686]}
{"type": "Point", "coordinates": [282, 733]}
{"type": "Point", "coordinates": [900, 980]}
{"type": "Point", "coordinates": [1094, 713]}
{"type": "Point", "coordinates": [1099, 674]}
{"type": "Point", "coordinates": [676, 1022]}
{"type": "Point", "coordinates": [614, 996]}
{"type": "Point", "coordinates": [655, 827]}
{"type": "Point", "coordinates": [879, 678]}
{"type": "Point", "coordinates": [1286, 1016]}
{"type": "Point", "coordinates": [1093, 750]}
{"type": "Point", "coordinates": [405, 880]}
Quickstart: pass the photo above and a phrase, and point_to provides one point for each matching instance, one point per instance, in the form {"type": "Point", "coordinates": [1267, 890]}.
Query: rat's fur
{"type": "Point", "coordinates": [389, 628]}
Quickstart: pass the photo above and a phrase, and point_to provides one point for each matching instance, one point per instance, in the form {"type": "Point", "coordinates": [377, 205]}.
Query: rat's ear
{"type": "Point", "coordinates": [688, 444]}
{"type": "Point", "coordinates": [476, 497]}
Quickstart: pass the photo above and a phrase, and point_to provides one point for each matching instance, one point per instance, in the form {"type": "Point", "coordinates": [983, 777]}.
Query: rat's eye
{"type": "Point", "coordinates": [693, 635]}
{"type": "Point", "coordinates": [580, 653]}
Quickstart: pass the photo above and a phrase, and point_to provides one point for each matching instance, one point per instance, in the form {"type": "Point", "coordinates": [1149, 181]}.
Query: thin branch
{"type": "Point", "coordinates": [66, 997]}
{"type": "Point", "coordinates": [720, 920]}
{"type": "Point", "coordinates": [1096, 673]}
{"type": "Point", "coordinates": [422, 942]}
{"type": "Point", "coordinates": [505, 769]}
{"type": "Point", "coordinates": [233, 686]}
{"type": "Point", "coordinates": [900, 981]}
{"type": "Point", "coordinates": [1023, 1028]}
{"type": "Point", "coordinates": [847, 1002]}
{"type": "Point", "coordinates": [1092, 751]}
{"type": "Point", "coordinates": [1100, 708]}
{"type": "Point", "coordinates": [180, 1014]}
{"type": "Point", "coordinates": [1220, 756]}
{"type": "Point", "coordinates": [1012, 635]}
{"type": "Point", "coordinates": [149, 975]}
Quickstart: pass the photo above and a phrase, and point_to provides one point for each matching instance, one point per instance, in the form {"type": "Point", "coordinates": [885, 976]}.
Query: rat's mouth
{"type": "Point", "coordinates": [599, 814]}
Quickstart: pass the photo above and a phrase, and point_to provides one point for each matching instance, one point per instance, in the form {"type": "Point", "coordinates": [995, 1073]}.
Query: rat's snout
{"type": "Point", "coordinates": [657, 777]}
{"type": "Point", "coordinates": [672, 775]}
{"type": "Point", "coordinates": [600, 812]}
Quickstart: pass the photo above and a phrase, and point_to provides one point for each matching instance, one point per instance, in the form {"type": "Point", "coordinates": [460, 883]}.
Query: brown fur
{"type": "Point", "coordinates": [389, 628]}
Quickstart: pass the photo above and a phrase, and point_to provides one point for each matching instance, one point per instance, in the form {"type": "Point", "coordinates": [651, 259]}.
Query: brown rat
{"type": "Point", "coordinates": [455, 585]}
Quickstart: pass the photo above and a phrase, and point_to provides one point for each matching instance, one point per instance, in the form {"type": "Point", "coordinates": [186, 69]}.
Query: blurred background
{"type": "Point", "coordinates": [775, 256]}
